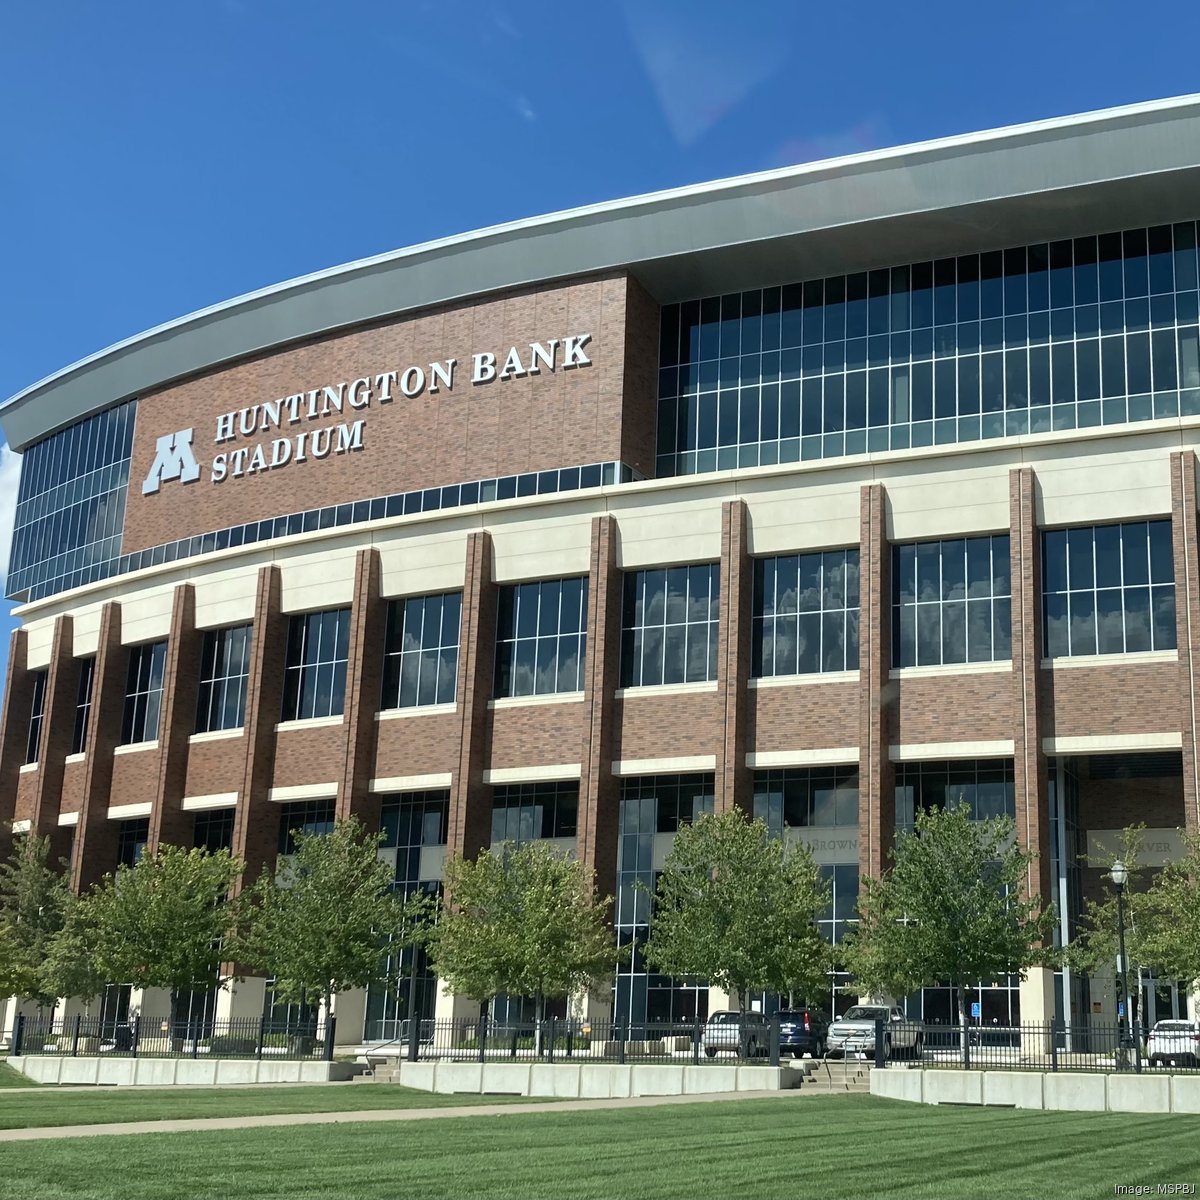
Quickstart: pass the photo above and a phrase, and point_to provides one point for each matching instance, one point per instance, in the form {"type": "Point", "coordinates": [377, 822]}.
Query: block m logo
{"type": "Point", "coordinates": [173, 459]}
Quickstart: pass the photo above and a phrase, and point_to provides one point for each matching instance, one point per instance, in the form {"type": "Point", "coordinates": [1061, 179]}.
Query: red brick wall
{"type": "Point", "coordinates": [808, 716]}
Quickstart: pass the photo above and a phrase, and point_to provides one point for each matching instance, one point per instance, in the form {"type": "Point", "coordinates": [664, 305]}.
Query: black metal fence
{"type": "Point", "coordinates": [151, 1037]}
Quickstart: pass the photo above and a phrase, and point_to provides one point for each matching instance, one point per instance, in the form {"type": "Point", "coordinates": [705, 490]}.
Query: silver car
{"type": "Point", "coordinates": [1174, 1042]}
{"type": "Point", "coordinates": [854, 1033]}
{"type": "Point", "coordinates": [735, 1030]}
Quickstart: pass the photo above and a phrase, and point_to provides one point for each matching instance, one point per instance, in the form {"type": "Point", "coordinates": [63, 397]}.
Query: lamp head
{"type": "Point", "coordinates": [1119, 874]}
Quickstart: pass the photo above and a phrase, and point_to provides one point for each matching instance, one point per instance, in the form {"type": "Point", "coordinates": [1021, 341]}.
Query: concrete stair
{"type": "Point", "coordinates": [836, 1075]}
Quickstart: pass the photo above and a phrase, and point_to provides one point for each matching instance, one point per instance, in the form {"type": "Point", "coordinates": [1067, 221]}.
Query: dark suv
{"type": "Point", "coordinates": [802, 1031]}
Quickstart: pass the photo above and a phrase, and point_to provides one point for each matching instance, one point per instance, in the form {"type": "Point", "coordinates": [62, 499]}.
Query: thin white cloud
{"type": "Point", "coordinates": [10, 478]}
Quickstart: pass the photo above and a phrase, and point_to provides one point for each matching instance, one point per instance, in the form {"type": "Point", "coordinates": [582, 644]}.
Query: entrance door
{"type": "Point", "coordinates": [1162, 1000]}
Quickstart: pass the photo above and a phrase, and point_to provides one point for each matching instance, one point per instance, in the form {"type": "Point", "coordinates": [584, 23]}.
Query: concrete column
{"type": "Point", "coordinates": [1187, 624]}
{"type": "Point", "coordinates": [470, 799]}
{"type": "Point", "coordinates": [877, 697]}
{"type": "Point", "coordinates": [1031, 790]}
{"type": "Point", "coordinates": [599, 788]}
{"type": "Point", "coordinates": [734, 780]}
{"type": "Point", "coordinates": [350, 1012]}
{"type": "Point", "coordinates": [461, 1010]}
{"type": "Point", "coordinates": [364, 679]}
{"type": "Point", "coordinates": [95, 848]}
{"type": "Point", "coordinates": [169, 824]}
{"type": "Point", "coordinates": [242, 999]}
{"type": "Point", "coordinates": [14, 730]}
{"type": "Point", "coordinates": [62, 686]}
{"type": "Point", "coordinates": [1037, 1004]}
{"type": "Point", "coordinates": [256, 825]}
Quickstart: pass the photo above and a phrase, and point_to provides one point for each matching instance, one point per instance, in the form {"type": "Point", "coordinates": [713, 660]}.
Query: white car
{"type": "Point", "coordinates": [854, 1033]}
{"type": "Point", "coordinates": [1174, 1042]}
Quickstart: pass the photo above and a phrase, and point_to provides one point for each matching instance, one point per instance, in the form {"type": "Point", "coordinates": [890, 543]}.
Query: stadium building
{"type": "Point", "coordinates": [827, 492]}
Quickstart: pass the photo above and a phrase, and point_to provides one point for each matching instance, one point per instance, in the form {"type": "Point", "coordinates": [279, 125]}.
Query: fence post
{"type": "Point", "coordinates": [1137, 1047]}
{"type": "Point", "coordinates": [774, 1060]}
{"type": "Point", "coordinates": [195, 1038]}
{"type": "Point", "coordinates": [262, 1036]}
{"type": "Point", "coordinates": [330, 1034]}
{"type": "Point", "coordinates": [481, 1035]}
{"type": "Point", "coordinates": [880, 1054]}
{"type": "Point", "coordinates": [553, 1031]}
{"type": "Point", "coordinates": [414, 1038]}
{"type": "Point", "coordinates": [696, 1035]}
{"type": "Point", "coordinates": [621, 1044]}
{"type": "Point", "coordinates": [75, 1037]}
{"type": "Point", "coordinates": [135, 1034]}
{"type": "Point", "coordinates": [1054, 1045]}
{"type": "Point", "coordinates": [570, 1039]}
{"type": "Point", "coordinates": [18, 1042]}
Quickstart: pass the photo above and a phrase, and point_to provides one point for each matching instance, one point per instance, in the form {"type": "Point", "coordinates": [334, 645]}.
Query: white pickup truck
{"type": "Point", "coordinates": [854, 1033]}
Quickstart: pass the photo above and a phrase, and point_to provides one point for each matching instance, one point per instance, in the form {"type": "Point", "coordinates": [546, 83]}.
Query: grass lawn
{"type": "Point", "coordinates": [90, 1106]}
{"type": "Point", "coordinates": [851, 1147]}
{"type": "Point", "coordinates": [9, 1077]}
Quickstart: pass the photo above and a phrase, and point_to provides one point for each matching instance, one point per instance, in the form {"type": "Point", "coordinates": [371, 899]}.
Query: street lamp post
{"type": "Point", "coordinates": [1120, 876]}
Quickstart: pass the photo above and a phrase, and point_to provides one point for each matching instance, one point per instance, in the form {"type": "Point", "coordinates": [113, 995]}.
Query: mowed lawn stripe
{"type": "Point", "coordinates": [844, 1148]}
{"type": "Point", "coordinates": [52, 1107]}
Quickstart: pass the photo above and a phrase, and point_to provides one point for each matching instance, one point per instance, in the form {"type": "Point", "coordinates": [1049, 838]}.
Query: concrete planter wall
{"type": "Point", "coordinates": [53, 1068]}
{"type": "Point", "coordinates": [1069, 1091]}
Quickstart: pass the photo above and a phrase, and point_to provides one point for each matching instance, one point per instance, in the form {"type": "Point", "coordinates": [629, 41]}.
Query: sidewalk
{"type": "Point", "coordinates": [373, 1115]}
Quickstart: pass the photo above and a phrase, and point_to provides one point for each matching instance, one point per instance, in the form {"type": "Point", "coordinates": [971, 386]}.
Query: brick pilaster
{"type": "Point", "coordinates": [181, 682]}
{"type": "Point", "coordinates": [256, 825]}
{"type": "Point", "coordinates": [470, 798]}
{"type": "Point", "coordinates": [95, 848]}
{"type": "Point", "coordinates": [1029, 761]}
{"type": "Point", "coordinates": [734, 781]}
{"type": "Point", "coordinates": [877, 699]}
{"type": "Point", "coordinates": [364, 679]}
{"type": "Point", "coordinates": [1187, 624]}
{"type": "Point", "coordinates": [58, 724]}
{"type": "Point", "coordinates": [18, 704]}
{"type": "Point", "coordinates": [599, 788]}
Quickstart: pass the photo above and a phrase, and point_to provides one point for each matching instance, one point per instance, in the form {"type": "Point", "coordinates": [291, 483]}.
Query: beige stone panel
{"type": "Point", "coordinates": [556, 544]}
{"type": "Point", "coordinates": [226, 597]}
{"type": "Point", "coordinates": [316, 577]}
{"type": "Point", "coordinates": [422, 565]}
{"type": "Point", "coordinates": [1120, 481]}
{"type": "Point", "coordinates": [683, 527]}
{"type": "Point", "coordinates": [146, 615]}
{"type": "Point", "coordinates": [799, 516]}
{"type": "Point", "coordinates": [963, 496]}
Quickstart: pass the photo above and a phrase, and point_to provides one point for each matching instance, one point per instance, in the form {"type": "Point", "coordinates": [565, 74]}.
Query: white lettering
{"type": "Point", "coordinates": [293, 407]}
{"type": "Point", "coordinates": [349, 437]}
{"type": "Point", "coordinates": [173, 459]}
{"type": "Point", "coordinates": [412, 382]}
{"type": "Point", "coordinates": [360, 393]}
{"type": "Point", "coordinates": [485, 368]}
{"type": "Point", "coordinates": [258, 461]}
{"type": "Point", "coordinates": [385, 383]}
{"type": "Point", "coordinates": [225, 426]}
{"type": "Point", "coordinates": [270, 413]}
{"type": "Point", "coordinates": [573, 355]}
{"type": "Point", "coordinates": [334, 398]}
{"type": "Point", "coordinates": [252, 413]}
{"type": "Point", "coordinates": [512, 365]}
{"type": "Point", "coordinates": [312, 403]}
{"type": "Point", "coordinates": [301, 438]}
{"type": "Point", "coordinates": [318, 446]}
{"type": "Point", "coordinates": [239, 461]}
{"type": "Point", "coordinates": [218, 468]}
{"type": "Point", "coordinates": [538, 355]}
{"type": "Point", "coordinates": [439, 374]}
{"type": "Point", "coordinates": [281, 452]}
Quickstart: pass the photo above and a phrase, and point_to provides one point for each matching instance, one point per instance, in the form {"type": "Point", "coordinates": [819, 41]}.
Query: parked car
{"type": "Point", "coordinates": [854, 1033]}
{"type": "Point", "coordinates": [1174, 1042]}
{"type": "Point", "coordinates": [735, 1031]}
{"type": "Point", "coordinates": [803, 1031]}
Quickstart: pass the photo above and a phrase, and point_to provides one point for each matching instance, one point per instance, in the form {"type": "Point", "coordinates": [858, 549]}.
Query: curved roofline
{"type": "Point", "coordinates": [679, 241]}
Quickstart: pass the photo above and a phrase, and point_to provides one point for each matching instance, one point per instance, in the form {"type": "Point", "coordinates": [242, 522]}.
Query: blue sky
{"type": "Point", "coordinates": [158, 157]}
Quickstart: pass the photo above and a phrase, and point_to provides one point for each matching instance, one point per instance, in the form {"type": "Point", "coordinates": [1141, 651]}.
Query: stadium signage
{"type": "Point", "coordinates": [175, 459]}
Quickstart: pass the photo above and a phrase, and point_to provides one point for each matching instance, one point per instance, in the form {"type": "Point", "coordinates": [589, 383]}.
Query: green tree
{"type": "Point", "coordinates": [33, 901]}
{"type": "Point", "coordinates": [163, 922]}
{"type": "Point", "coordinates": [525, 921]}
{"type": "Point", "coordinates": [327, 918]}
{"type": "Point", "coordinates": [70, 967]}
{"type": "Point", "coordinates": [739, 908]}
{"type": "Point", "coordinates": [951, 909]}
{"type": "Point", "coordinates": [1170, 939]}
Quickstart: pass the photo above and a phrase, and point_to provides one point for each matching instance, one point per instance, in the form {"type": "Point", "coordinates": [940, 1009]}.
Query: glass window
{"type": "Point", "coordinates": [421, 653]}
{"type": "Point", "coordinates": [224, 670]}
{"type": "Point", "coordinates": [1108, 589]}
{"type": "Point", "coordinates": [527, 811]}
{"type": "Point", "coordinates": [213, 830]}
{"type": "Point", "coordinates": [799, 797]}
{"type": "Point", "coordinates": [984, 785]}
{"type": "Point", "coordinates": [310, 818]}
{"type": "Point", "coordinates": [315, 677]}
{"type": "Point", "coordinates": [83, 704]}
{"type": "Point", "coordinates": [669, 625]}
{"type": "Point", "coordinates": [143, 692]}
{"type": "Point", "coordinates": [806, 613]}
{"type": "Point", "coordinates": [951, 602]}
{"type": "Point", "coordinates": [37, 711]}
{"type": "Point", "coordinates": [541, 639]}
{"type": "Point", "coordinates": [132, 838]}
